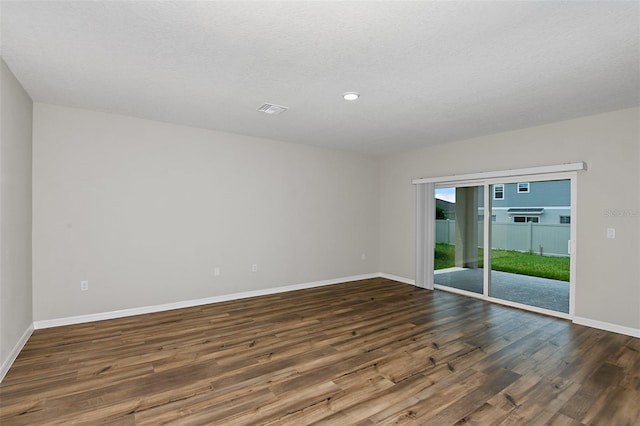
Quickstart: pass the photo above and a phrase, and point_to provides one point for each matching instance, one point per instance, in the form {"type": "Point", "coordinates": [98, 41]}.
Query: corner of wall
{"type": "Point", "coordinates": [16, 157]}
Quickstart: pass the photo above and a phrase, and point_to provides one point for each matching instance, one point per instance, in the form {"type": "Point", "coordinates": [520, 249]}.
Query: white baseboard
{"type": "Point", "coordinates": [615, 328]}
{"type": "Point", "coordinates": [397, 278]}
{"type": "Point", "coordinates": [633, 332]}
{"type": "Point", "coordinates": [79, 319]}
{"type": "Point", "coordinates": [243, 295]}
{"type": "Point", "coordinates": [14, 352]}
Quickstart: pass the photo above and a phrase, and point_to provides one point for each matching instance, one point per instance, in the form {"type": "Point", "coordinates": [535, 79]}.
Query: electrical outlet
{"type": "Point", "coordinates": [611, 232]}
{"type": "Point", "coordinates": [84, 285]}
{"type": "Point", "coordinates": [254, 267]}
{"type": "Point", "coordinates": [363, 256]}
{"type": "Point", "coordinates": [216, 271]}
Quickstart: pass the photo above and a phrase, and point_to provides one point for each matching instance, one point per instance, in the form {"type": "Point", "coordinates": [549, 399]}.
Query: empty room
{"type": "Point", "coordinates": [319, 212]}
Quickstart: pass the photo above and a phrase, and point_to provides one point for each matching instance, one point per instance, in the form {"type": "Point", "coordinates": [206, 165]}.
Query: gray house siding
{"type": "Point", "coordinates": [546, 202]}
{"type": "Point", "coordinates": [550, 215]}
{"type": "Point", "coordinates": [556, 193]}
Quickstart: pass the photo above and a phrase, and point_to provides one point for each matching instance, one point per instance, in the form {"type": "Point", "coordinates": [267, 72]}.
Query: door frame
{"type": "Point", "coordinates": [425, 220]}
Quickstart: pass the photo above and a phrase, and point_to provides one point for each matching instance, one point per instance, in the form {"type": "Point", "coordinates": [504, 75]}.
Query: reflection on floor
{"type": "Point", "coordinates": [533, 291]}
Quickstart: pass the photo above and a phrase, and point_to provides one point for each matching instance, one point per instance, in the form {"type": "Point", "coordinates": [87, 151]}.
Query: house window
{"type": "Point", "coordinates": [523, 188]}
{"type": "Point", "coordinates": [565, 219]}
{"type": "Point", "coordinates": [498, 192]}
{"type": "Point", "coordinates": [524, 219]}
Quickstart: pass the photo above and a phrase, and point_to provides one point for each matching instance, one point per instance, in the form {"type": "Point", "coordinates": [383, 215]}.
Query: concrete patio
{"type": "Point", "coordinates": [540, 292]}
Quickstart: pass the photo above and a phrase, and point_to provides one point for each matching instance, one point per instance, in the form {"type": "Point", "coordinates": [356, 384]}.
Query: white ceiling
{"type": "Point", "coordinates": [428, 72]}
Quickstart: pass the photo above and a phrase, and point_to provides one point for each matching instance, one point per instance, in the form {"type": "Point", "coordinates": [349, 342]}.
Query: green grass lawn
{"type": "Point", "coordinates": [556, 268]}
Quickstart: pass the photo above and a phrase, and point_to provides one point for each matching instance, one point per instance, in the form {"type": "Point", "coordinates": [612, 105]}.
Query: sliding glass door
{"type": "Point", "coordinates": [458, 242]}
{"type": "Point", "coordinates": [530, 230]}
{"type": "Point", "coordinates": [507, 241]}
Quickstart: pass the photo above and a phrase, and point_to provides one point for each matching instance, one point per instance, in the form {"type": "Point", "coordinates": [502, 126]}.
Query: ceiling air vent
{"type": "Point", "coordinates": [272, 109]}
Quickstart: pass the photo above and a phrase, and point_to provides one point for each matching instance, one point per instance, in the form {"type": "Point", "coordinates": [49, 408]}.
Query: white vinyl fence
{"type": "Point", "coordinates": [548, 239]}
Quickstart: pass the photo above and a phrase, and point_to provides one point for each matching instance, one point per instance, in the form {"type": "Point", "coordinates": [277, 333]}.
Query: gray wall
{"type": "Point", "coordinates": [608, 278]}
{"type": "Point", "coordinates": [15, 212]}
{"type": "Point", "coordinates": [145, 211]}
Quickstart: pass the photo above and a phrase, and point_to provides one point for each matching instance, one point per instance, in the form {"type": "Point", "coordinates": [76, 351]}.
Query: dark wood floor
{"type": "Point", "coordinates": [366, 352]}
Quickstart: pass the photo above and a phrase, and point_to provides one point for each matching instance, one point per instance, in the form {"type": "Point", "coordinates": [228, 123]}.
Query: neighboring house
{"type": "Point", "coordinates": [545, 205]}
{"type": "Point", "coordinates": [546, 202]}
{"type": "Point", "coordinates": [447, 208]}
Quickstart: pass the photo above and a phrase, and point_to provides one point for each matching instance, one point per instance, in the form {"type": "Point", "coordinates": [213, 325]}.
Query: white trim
{"type": "Point", "coordinates": [534, 218]}
{"type": "Point", "coordinates": [15, 352]}
{"type": "Point", "coordinates": [79, 319]}
{"type": "Point", "coordinates": [569, 167]}
{"type": "Point", "coordinates": [397, 278]}
{"type": "Point", "coordinates": [614, 328]}
{"type": "Point", "coordinates": [504, 302]}
{"type": "Point", "coordinates": [530, 308]}
{"type": "Point", "coordinates": [533, 211]}
{"type": "Point", "coordinates": [527, 187]}
{"type": "Point", "coordinates": [633, 332]}
{"type": "Point", "coordinates": [459, 291]}
{"type": "Point", "coordinates": [573, 254]}
{"type": "Point", "coordinates": [600, 325]}
{"type": "Point", "coordinates": [512, 176]}
{"type": "Point", "coordinates": [538, 207]}
{"type": "Point", "coordinates": [487, 223]}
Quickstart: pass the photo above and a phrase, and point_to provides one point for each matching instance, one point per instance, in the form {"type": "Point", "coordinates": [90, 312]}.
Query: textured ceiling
{"type": "Point", "coordinates": [428, 72]}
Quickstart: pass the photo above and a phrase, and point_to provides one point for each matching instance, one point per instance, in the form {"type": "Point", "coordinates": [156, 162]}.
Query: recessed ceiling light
{"type": "Point", "coordinates": [351, 96]}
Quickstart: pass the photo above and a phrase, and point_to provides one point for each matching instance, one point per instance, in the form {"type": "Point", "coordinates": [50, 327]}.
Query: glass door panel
{"type": "Point", "coordinates": [529, 233]}
{"type": "Point", "coordinates": [459, 238]}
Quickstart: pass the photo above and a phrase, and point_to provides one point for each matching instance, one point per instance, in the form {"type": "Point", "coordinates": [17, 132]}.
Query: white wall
{"type": "Point", "coordinates": [145, 210]}
{"type": "Point", "coordinates": [608, 277]}
{"type": "Point", "coordinates": [15, 216]}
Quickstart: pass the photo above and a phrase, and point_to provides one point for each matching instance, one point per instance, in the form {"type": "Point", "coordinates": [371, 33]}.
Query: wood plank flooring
{"type": "Point", "coordinates": [367, 352]}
